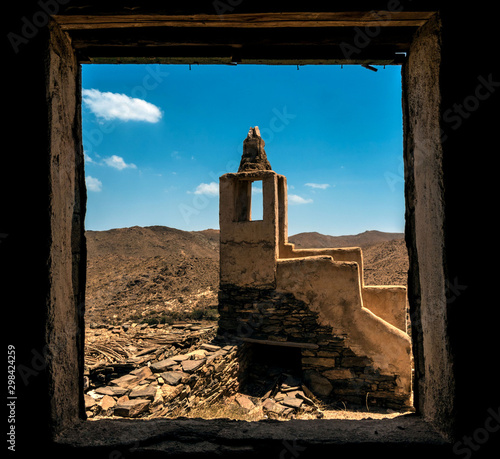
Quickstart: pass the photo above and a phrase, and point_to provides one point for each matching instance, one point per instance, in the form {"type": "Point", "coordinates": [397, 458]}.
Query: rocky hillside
{"type": "Point", "coordinates": [157, 274]}
{"type": "Point", "coordinates": [139, 274]}
{"type": "Point", "coordinates": [366, 239]}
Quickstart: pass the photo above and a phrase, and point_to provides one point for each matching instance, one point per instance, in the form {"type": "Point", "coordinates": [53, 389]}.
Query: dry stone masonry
{"type": "Point", "coordinates": [308, 307]}
{"type": "Point", "coordinates": [177, 371]}
{"type": "Point", "coordinates": [182, 371]}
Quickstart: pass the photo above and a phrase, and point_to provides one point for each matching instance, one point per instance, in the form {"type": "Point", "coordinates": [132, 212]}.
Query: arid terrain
{"type": "Point", "coordinates": [158, 273]}
{"type": "Point", "coordinates": [151, 319]}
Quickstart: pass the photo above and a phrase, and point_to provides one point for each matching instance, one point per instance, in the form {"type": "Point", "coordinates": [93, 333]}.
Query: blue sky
{"type": "Point", "coordinates": [157, 138]}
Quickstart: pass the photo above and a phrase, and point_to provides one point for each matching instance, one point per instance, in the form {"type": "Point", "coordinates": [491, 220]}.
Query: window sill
{"type": "Point", "coordinates": [116, 438]}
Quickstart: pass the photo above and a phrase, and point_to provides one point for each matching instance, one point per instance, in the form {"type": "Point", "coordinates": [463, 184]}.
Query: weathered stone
{"type": "Point", "coordinates": [126, 381]}
{"type": "Point", "coordinates": [131, 408]}
{"type": "Point", "coordinates": [210, 347]}
{"type": "Point", "coordinates": [245, 402]}
{"type": "Point", "coordinates": [133, 378]}
{"type": "Point", "coordinates": [173, 377]}
{"type": "Point", "coordinates": [293, 393]}
{"type": "Point", "coordinates": [318, 361]}
{"type": "Point", "coordinates": [190, 366]}
{"type": "Point", "coordinates": [331, 354]}
{"type": "Point", "coordinates": [355, 361]}
{"type": "Point", "coordinates": [107, 403]}
{"type": "Point", "coordinates": [158, 367]}
{"type": "Point", "coordinates": [118, 391]}
{"type": "Point", "coordinates": [123, 399]}
{"type": "Point", "coordinates": [157, 399]}
{"type": "Point", "coordinates": [318, 384]}
{"type": "Point", "coordinates": [142, 372]}
{"type": "Point", "coordinates": [338, 373]}
{"type": "Point", "coordinates": [148, 392]}
{"type": "Point", "coordinates": [170, 392]}
{"type": "Point", "coordinates": [197, 354]}
{"type": "Point", "coordinates": [292, 402]}
{"type": "Point", "coordinates": [270, 405]}
{"type": "Point", "coordinates": [89, 401]}
{"type": "Point", "coordinates": [105, 390]}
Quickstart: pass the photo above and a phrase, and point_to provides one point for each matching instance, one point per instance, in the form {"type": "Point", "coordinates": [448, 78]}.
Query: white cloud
{"type": "Point", "coordinates": [256, 189]}
{"type": "Point", "coordinates": [118, 163]}
{"type": "Point", "coordinates": [110, 106]}
{"type": "Point", "coordinates": [88, 159]}
{"type": "Point", "coordinates": [210, 189]}
{"type": "Point", "coordinates": [93, 184]}
{"type": "Point", "coordinates": [295, 199]}
{"type": "Point", "coordinates": [319, 186]}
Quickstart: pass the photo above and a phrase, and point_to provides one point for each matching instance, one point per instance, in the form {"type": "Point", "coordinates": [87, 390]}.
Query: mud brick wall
{"type": "Point", "coordinates": [331, 368]}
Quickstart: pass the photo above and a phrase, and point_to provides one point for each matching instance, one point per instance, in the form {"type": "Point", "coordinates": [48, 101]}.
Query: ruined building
{"type": "Point", "coordinates": [349, 339]}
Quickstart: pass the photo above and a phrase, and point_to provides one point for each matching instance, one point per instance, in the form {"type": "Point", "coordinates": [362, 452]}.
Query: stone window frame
{"type": "Point", "coordinates": [425, 239]}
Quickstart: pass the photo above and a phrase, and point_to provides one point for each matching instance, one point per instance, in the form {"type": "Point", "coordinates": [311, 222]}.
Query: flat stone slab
{"type": "Point", "coordinates": [142, 372]}
{"type": "Point", "coordinates": [173, 378]}
{"type": "Point", "coordinates": [119, 391]}
{"type": "Point", "coordinates": [190, 366]}
{"type": "Point", "coordinates": [158, 367]}
{"type": "Point", "coordinates": [148, 393]}
{"type": "Point", "coordinates": [273, 407]}
{"type": "Point", "coordinates": [126, 381]}
{"type": "Point", "coordinates": [245, 402]}
{"type": "Point", "coordinates": [210, 347]}
{"type": "Point", "coordinates": [106, 390]}
{"type": "Point", "coordinates": [133, 378]}
{"type": "Point", "coordinates": [292, 402]}
{"type": "Point", "coordinates": [89, 401]}
{"type": "Point", "coordinates": [131, 408]}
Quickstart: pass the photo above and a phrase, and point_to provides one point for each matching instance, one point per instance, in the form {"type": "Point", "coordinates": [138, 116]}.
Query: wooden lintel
{"type": "Point", "coordinates": [240, 37]}
{"type": "Point", "coordinates": [280, 343]}
{"type": "Point", "coordinates": [227, 55]}
{"type": "Point", "coordinates": [263, 20]}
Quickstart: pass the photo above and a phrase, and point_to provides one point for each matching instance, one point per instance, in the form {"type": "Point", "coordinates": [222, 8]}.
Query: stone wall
{"type": "Point", "coordinates": [333, 369]}
{"type": "Point", "coordinates": [169, 387]}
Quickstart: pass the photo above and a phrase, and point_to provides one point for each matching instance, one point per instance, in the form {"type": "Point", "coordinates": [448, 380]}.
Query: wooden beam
{"type": "Point", "coordinates": [378, 18]}
{"type": "Point", "coordinates": [280, 343]}
{"type": "Point", "coordinates": [272, 46]}
{"type": "Point", "coordinates": [294, 55]}
{"type": "Point", "coordinates": [399, 37]}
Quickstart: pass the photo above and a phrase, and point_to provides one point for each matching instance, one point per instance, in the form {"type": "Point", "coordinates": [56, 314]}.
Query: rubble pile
{"type": "Point", "coordinates": [145, 372]}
